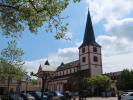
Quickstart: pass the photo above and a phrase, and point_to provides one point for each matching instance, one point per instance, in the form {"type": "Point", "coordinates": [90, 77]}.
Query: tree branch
{"type": "Point", "coordinates": [33, 5]}
{"type": "Point", "coordinates": [8, 6]}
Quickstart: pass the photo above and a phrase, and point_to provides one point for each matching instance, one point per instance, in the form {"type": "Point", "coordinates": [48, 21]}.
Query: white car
{"type": "Point", "coordinates": [29, 97]}
{"type": "Point", "coordinates": [127, 96]}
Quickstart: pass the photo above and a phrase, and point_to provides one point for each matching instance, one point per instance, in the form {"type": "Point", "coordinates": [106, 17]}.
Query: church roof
{"type": "Point", "coordinates": [89, 37]}
{"type": "Point", "coordinates": [68, 65]}
{"type": "Point", "coordinates": [46, 67]}
{"type": "Point", "coordinates": [47, 62]}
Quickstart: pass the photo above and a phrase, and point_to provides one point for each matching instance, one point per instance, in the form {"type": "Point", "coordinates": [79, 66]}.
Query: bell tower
{"type": "Point", "coordinates": [90, 52]}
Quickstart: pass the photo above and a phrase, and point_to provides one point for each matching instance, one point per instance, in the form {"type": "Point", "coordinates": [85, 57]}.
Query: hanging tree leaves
{"type": "Point", "coordinates": [15, 15]}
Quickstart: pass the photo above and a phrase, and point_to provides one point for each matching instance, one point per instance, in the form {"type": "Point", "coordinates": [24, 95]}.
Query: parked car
{"type": "Point", "coordinates": [14, 97]}
{"type": "Point", "coordinates": [27, 96]}
{"type": "Point", "coordinates": [44, 96]}
{"type": "Point", "coordinates": [67, 94]}
{"type": "Point", "coordinates": [37, 95]}
{"type": "Point", "coordinates": [127, 96]}
{"type": "Point", "coordinates": [56, 95]}
{"type": "Point", "coordinates": [21, 96]}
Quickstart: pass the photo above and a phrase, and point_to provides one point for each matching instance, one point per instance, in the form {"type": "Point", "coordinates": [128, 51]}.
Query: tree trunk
{"type": "Point", "coordinates": [43, 86]}
{"type": "Point", "coordinates": [8, 85]}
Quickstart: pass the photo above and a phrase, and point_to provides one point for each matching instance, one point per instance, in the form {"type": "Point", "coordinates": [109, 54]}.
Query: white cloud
{"type": "Point", "coordinates": [108, 9]}
{"type": "Point", "coordinates": [116, 53]}
{"type": "Point", "coordinates": [67, 52]}
{"type": "Point", "coordinates": [121, 28]}
{"type": "Point", "coordinates": [113, 45]}
{"type": "Point", "coordinates": [63, 55]}
{"type": "Point", "coordinates": [32, 66]}
{"type": "Point", "coordinates": [117, 62]}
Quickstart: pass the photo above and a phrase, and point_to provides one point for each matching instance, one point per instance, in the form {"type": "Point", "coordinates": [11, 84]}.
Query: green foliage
{"type": "Point", "coordinates": [10, 71]}
{"type": "Point", "coordinates": [12, 55]}
{"type": "Point", "coordinates": [16, 14]}
{"type": "Point", "coordinates": [11, 62]}
{"type": "Point", "coordinates": [101, 81]}
{"type": "Point", "coordinates": [34, 81]}
{"type": "Point", "coordinates": [125, 81]}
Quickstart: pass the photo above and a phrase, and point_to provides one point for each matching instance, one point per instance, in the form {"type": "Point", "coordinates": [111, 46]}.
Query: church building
{"type": "Point", "coordinates": [69, 76]}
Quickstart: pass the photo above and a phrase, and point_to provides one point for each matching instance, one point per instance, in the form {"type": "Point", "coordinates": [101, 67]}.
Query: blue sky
{"type": "Point", "coordinates": [113, 27]}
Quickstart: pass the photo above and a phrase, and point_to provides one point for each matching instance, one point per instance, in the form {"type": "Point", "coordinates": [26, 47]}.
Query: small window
{"type": "Point", "coordinates": [74, 70]}
{"type": "Point", "coordinates": [66, 71]}
{"type": "Point", "coordinates": [83, 59]}
{"type": "Point", "coordinates": [94, 49]}
{"type": "Point", "coordinates": [95, 58]}
{"type": "Point", "coordinates": [83, 50]}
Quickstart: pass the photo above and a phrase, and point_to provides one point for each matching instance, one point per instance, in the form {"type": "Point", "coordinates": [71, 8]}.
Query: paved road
{"type": "Point", "coordinates": [98, 98]}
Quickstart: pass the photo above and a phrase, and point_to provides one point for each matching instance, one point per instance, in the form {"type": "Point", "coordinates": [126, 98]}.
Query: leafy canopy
{"type": "Point", "coordinates": [125, 81]}
{"type": "Point", "coordinates": [12, 55]}
{"type": "Point", "coordinates": [98, 81]}
{"type": "Point", "coordinates": [11, 62]}
{"type": "Point", "coordinates": [15, 15]}
{"type": "Point", "coordinates": [10, 71]}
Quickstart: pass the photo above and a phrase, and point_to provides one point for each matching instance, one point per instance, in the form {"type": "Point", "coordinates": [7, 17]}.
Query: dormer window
{"type": "Point", "coordinates": [94, 49]}
{"type": "Point", "coordinates": [83, 50]}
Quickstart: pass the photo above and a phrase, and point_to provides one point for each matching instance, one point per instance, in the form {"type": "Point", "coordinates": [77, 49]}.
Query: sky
{"type": "Point", "coordinates": [113, 27]}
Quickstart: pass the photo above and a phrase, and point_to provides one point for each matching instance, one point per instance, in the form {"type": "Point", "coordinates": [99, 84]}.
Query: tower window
{"type": "Point", "coordinates": [94, 49]}
{"type": "Point", "coordinates": [83, 59]}
{"type": "Point", "coordinates": [95, 59]}
{"type": "Point", "coordinates": [83, 50]}
{"type": "Point", "coordinates": [66, 71]}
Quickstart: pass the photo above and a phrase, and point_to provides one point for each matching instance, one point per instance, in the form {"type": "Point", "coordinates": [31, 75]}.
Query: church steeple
{"type": "Point", "coordinates": [89, 37]}
{"type": "Point", "coordinates": [90, 52]}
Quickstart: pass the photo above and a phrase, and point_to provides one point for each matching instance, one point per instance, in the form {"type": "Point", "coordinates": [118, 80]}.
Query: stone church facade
{"type": "Point", "coordinates": [69, 76]}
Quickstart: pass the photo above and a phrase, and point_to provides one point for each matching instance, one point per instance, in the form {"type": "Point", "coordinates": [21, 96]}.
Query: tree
{"type": "Point", "coordinates": [10, 72]}
{"type": "Point", "coordinates": [125, 81]}
{"type": "Point", "coordinates": [99, 82]}
{"type": "Point", "coordinates": [12, 55]}
{"type": "Point", "coordinates": [11, 63]}
{"type": "Point", "coordinates": [16, 14]}
{"type": "Point", "coordinates": [34, 81]}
